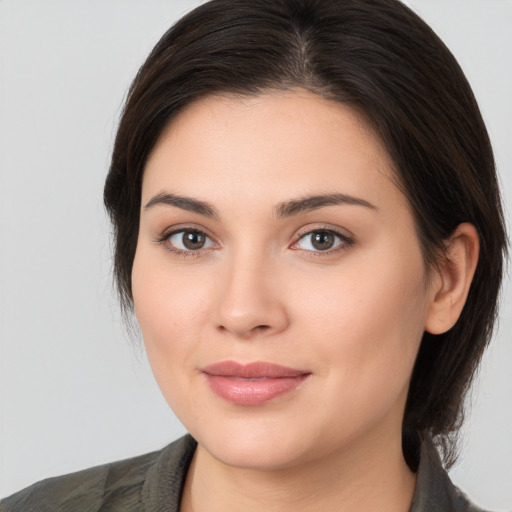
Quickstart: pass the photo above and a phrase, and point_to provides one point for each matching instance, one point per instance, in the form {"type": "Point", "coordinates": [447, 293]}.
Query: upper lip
{"type": "Point", "coordinates": [256, 370]}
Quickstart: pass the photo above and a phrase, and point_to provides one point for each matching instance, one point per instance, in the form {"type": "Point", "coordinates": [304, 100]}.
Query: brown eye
{"type": "Point", "coordinates": [193, 240]}
{"type": "Point", "coordinates": [189, 240]}
{"type": "Point", "coordinates": [322, 240]}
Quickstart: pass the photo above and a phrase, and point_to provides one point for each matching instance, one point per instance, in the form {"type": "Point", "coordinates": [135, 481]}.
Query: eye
{"type": "Point", "coordinates": [187, 240]}
{"type": "Point", "coordinates": [321, 240]}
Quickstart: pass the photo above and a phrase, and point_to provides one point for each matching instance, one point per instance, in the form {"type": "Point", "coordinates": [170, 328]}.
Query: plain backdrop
{"type": "Point", "coordinates": [74, 391]}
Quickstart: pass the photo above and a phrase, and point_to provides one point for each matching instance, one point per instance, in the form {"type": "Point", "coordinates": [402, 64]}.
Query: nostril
{"type": "Point", "coordinates": [262, 328]}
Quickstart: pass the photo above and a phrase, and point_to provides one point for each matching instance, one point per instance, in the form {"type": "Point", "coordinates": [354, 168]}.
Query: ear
{"type": "Point", "coordinates": [450, 287]}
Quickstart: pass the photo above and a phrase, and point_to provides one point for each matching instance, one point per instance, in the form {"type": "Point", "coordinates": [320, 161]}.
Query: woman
{"type": "Point", "coordinates": [308, 227]}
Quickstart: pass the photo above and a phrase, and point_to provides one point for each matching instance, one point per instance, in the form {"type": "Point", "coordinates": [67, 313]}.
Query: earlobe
{"type": "Point", "coordinates": [455, 273]}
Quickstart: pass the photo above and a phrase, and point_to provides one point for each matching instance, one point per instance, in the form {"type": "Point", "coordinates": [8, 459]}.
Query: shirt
{"type": "Point", "coordinates": [154, 483]}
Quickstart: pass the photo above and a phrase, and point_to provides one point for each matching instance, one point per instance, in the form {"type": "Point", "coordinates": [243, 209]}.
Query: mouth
{"type": "Point", "coordinates": [254, 383]}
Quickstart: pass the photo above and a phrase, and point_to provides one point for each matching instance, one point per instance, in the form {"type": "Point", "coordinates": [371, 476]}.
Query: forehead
{"type": "Point", "coordinates": [267, 145]}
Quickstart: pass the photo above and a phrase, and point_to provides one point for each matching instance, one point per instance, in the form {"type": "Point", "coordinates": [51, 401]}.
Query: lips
{"type": "Point", "coordinates": [254, 383]}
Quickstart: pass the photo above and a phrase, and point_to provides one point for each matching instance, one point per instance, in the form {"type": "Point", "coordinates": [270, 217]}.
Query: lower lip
{"type": "Point", "coordinates": [252, 391]}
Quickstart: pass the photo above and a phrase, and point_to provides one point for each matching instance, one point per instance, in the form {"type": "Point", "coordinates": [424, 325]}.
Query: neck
{"type": "Point", "coordinates": [374, 477]}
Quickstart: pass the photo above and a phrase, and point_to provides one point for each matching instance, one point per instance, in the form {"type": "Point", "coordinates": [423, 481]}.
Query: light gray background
{"type": "Point", "coordinates": [73, 391]}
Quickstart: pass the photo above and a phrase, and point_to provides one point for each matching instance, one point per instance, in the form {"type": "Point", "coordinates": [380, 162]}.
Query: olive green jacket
{"type": "Point", "coordinates": [154, 482]}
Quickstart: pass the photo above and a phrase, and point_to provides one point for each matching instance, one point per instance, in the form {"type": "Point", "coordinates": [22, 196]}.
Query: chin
{"type": "Point", "coordinates": [260, 449]}
{"type": "Point", "coordinates": [269, 458]}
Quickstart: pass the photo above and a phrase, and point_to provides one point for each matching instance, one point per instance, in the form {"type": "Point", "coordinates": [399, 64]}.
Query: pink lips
{"type": "Point", "coordinates": [254, 383]}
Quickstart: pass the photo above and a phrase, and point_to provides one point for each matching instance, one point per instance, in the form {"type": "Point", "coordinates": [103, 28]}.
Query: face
{"type": "Point", "coordinates": [278, 279]}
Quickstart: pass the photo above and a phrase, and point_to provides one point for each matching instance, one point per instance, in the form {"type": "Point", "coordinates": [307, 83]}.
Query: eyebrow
{"type": "Point", "coordinates": [311, 203]}
{"type": "Point", "coordinates": [286, 209]}
{"type": "Point", "coordinates": [185, 203]}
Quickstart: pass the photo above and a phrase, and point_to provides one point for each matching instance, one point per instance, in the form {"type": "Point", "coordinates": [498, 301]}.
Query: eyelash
{"type": "Point", "coordinates": [344, 241]}
{"type": "Point", "coordinates": [166, 236]}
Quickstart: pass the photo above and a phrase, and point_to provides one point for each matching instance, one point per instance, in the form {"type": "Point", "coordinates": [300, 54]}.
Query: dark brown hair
{"type": "Point", "coordinates": [381, 58]}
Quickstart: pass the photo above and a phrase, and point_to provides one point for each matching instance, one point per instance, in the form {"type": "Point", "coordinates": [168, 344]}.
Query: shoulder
{"type": "Point", "coordinates": [84, 490]}
{"type": "Point", "coordinates": [122, 485]}
{"type": "Point", "coordinates": [434, 489]}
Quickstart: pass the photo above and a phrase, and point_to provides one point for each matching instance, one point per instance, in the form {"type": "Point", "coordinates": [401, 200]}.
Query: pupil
{"type": "Point", "coordinates": [193, 240]}
{"type": "Point", "coordinates": [323, 240]}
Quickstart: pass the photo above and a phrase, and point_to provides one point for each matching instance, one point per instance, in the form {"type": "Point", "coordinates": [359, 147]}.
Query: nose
{"type": "Point", "coordinates": [252, 299]}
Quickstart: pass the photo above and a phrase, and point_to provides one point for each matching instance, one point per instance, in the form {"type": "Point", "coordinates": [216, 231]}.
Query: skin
{"type": "Point", "coordinates": [352, 316]}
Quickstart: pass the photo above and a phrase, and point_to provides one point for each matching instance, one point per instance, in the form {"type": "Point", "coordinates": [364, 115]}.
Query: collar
{"type": "Point", "coordinates": [434, 489]}
{"type": "Point", "coordinates": [165, 480]}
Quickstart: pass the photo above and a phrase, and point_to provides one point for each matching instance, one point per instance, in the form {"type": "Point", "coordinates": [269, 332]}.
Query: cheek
{"type": "Point", "coordinates": [170, 310]}
{"type": "Point", "coordinates": [166, 314]}
{"type": "Point", "coordinates": [368, 321]}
